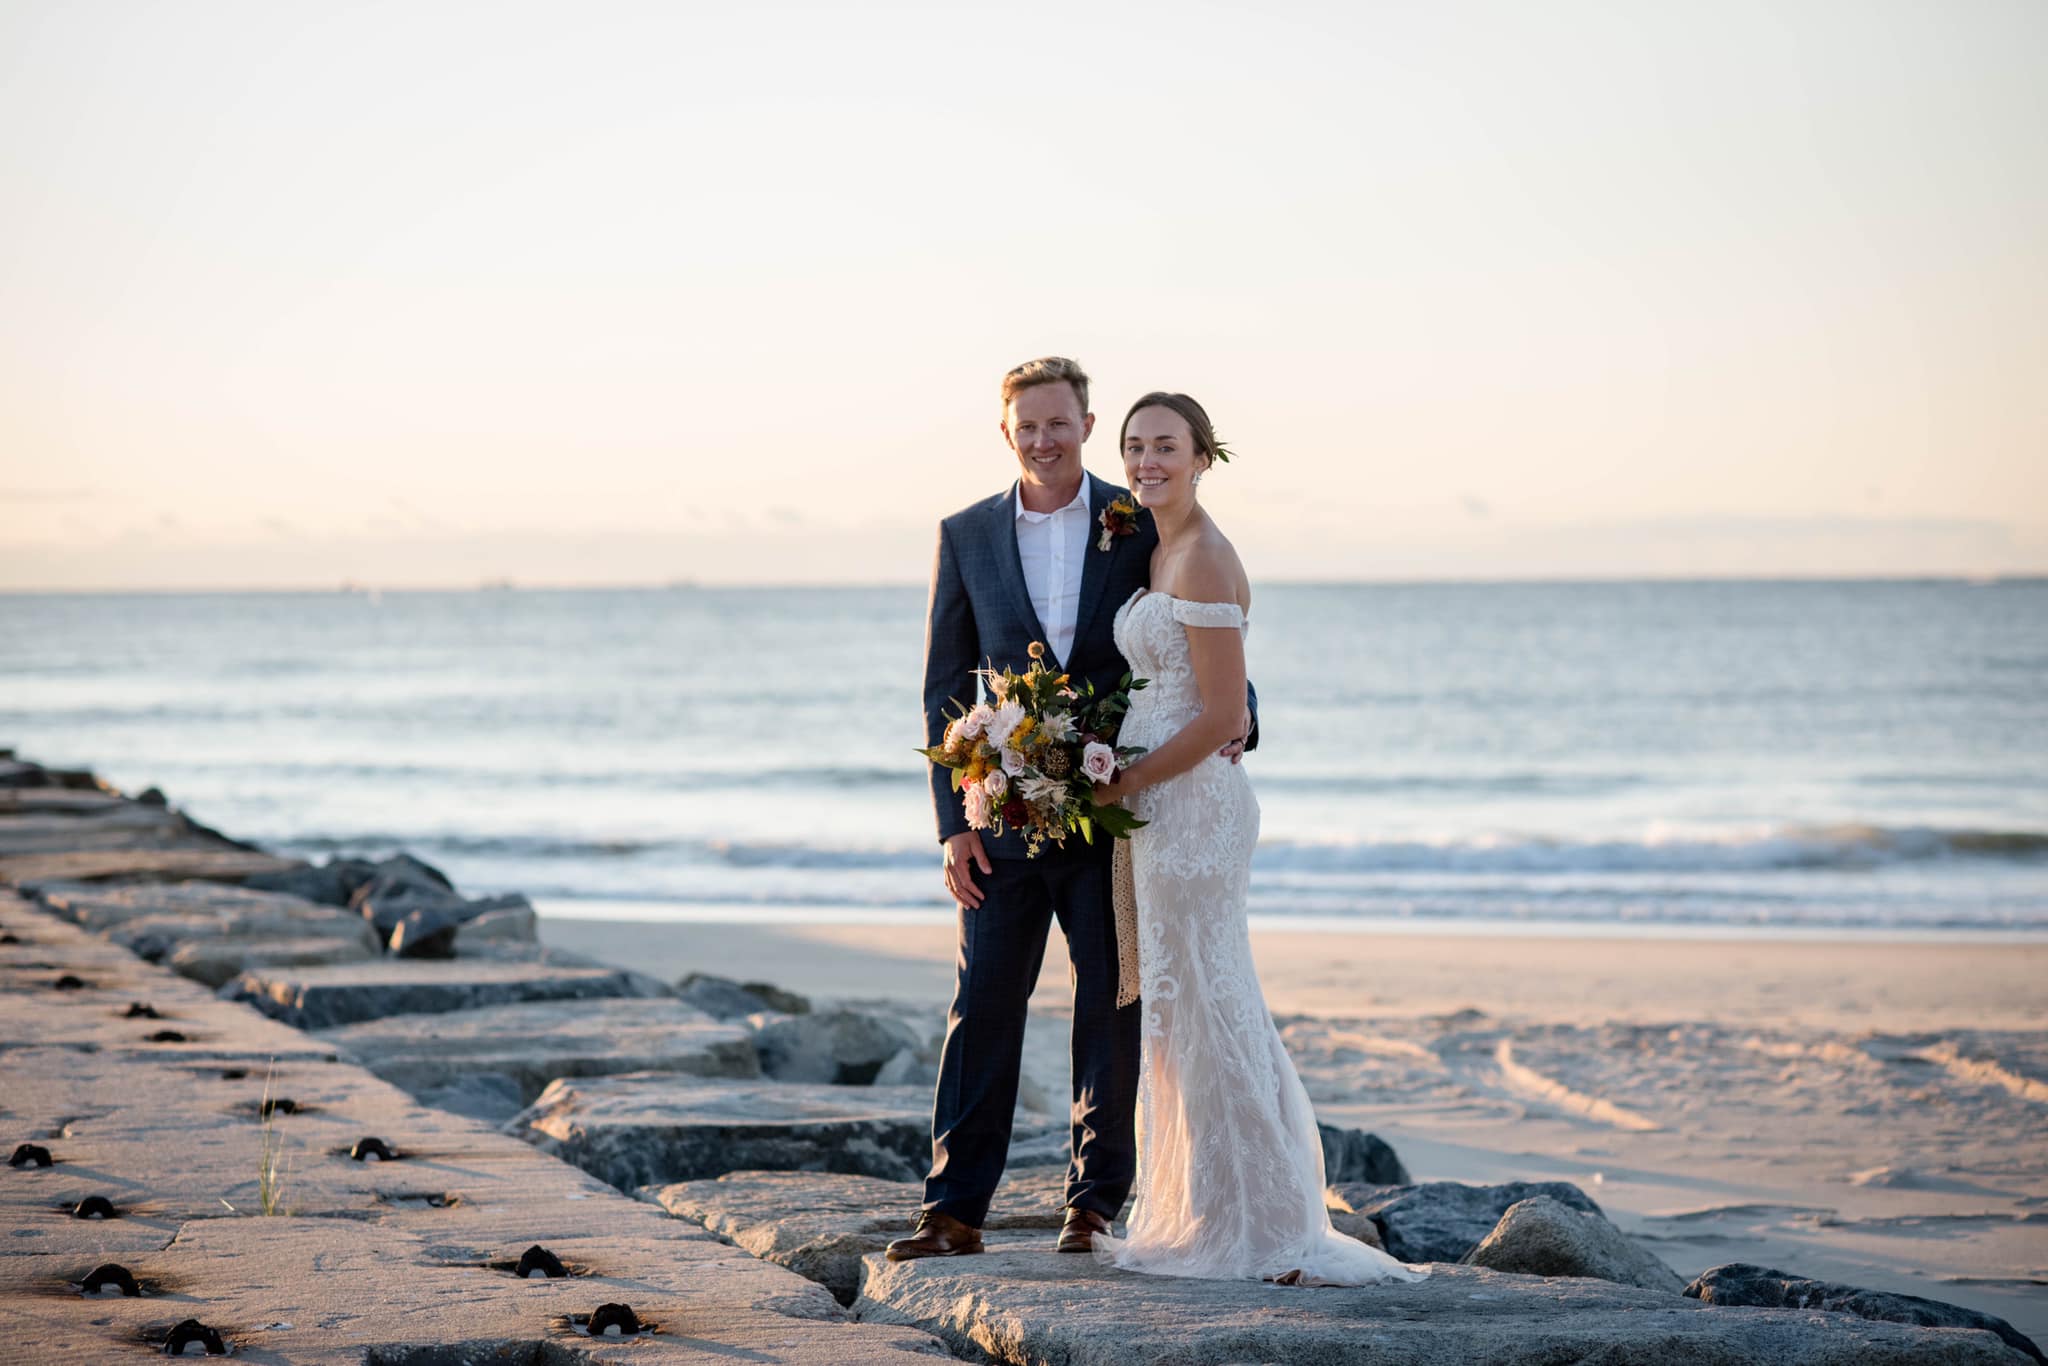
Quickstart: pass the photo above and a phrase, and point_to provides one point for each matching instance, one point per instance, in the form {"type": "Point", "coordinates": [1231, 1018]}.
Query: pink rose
{"type": "Point", "coordinates": [1098, 762]}
{"type": "Point", "coordinates": [995, 784]}
{"type": "Point", "coordinates": [977, 806]}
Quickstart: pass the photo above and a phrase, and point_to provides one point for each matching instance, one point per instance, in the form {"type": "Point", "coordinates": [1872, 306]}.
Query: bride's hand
{"type": "Point", "coordinates": [1110, 793]}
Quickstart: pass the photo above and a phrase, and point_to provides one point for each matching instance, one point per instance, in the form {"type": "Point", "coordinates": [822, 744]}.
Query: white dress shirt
{"type": "Point", "coordinates": [1051, 546]}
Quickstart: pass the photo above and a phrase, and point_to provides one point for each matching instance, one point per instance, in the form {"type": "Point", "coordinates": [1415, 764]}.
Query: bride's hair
{"type": "Point", "coordinates": [1191, 412]}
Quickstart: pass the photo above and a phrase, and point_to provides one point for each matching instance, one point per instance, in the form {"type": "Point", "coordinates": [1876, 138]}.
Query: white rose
{"type": "Point", "coordinates": [977, 807]}
{"type": "Point", "coordinates": [1013, 763]}
{"type": "Point", "coordinates": [1098, 762]}
{"type": "Point", "coordinates": [995, 784]}
{"type": "Point", "coordinates": [976, 721]}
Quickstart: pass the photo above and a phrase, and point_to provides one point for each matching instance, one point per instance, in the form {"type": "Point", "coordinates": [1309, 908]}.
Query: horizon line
{"type": "Point", "coordinates": [501, 584]}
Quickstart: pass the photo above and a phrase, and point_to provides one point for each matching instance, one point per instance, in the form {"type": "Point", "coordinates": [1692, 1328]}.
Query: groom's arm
{"type": "Point", "coordinates": [1251, 704]}
{"type": "Point", "coordinates": [949, 659]}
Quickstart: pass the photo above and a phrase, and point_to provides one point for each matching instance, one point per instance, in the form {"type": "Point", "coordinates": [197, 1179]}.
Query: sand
{"type": "Point", "coordinates": [1865, 1110]}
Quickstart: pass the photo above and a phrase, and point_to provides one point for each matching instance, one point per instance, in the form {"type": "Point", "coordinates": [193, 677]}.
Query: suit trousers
{"type": "Point", "coordinates": [1002, 946]}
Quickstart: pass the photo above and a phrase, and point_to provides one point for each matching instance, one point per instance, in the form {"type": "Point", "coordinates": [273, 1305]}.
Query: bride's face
{"type": "Point", "coordinates": [1160, 463]}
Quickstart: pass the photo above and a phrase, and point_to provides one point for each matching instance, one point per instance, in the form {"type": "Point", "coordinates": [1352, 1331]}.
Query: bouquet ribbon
{"type": "Point", "coordinates": [1123, 895]}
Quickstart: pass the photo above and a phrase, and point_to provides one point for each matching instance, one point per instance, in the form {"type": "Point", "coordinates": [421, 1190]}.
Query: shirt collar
{"type": "Point", "coordinates": [1024, 514]}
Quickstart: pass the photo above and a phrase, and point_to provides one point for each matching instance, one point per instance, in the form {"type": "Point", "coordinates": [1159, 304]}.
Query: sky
{"type": "Point", "coordinates": [423, 294]}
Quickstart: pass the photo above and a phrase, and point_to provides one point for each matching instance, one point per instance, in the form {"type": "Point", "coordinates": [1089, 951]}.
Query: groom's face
{"type": "Point", "coordinates": [1045, 427]}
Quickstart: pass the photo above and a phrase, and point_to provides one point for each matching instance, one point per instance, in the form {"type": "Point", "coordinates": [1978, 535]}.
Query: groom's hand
{"type": "Point", "coordinates": [1235, 749]}
{"type": "Point", "coordinates": [963, 854]}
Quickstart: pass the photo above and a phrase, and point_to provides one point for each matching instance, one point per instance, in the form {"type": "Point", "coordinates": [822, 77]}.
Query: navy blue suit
{"type": "Point", "coordinates": [981, 615]}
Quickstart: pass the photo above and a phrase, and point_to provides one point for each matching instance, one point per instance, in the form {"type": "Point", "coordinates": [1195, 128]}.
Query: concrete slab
{"type": "Point", "coordinates": [216, 962]}
{"type": "Point", "coordinates": [531, 1044]}
{"type": "Point", "coordinates": [214, 861]}
{"type": "Point", "coordinates": [324, 998]}
{"type": "Point", "coordinates": [120, 826]}
{"type": "Point", "coordinates": [383, 1262]}
{"type": "Point", "coordinates": [821, 1225]}
{"type": "Point", "coordinates": [648, 1128]}
{"type": "Point", "coordinates": [227, 909]}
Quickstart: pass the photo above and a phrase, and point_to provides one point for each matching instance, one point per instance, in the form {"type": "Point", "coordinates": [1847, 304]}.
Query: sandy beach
{"type": "Point", "coordinates": [1861, 1110]}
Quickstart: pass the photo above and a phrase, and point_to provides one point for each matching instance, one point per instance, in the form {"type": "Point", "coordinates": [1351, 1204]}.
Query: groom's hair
{"type": "Point", "coordinates": [1046, 370]}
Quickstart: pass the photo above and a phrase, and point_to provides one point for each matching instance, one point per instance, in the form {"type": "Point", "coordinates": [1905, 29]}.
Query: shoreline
{"type": "Point", "coordinates": [1900, 987]}
{"type": "Point", "coordinates": [653, 911]}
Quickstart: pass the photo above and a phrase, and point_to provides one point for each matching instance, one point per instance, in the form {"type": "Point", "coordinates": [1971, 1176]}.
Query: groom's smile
{"type": "Point", "coordinates": [1045, 425]}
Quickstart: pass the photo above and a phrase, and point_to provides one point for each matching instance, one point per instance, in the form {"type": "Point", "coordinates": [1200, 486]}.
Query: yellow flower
{"type": "Point", "coordinates": [1024, 728]}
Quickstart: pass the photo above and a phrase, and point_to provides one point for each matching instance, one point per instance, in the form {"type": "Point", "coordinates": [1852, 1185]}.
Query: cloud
{"type": "Point", "coordinates": [1475, 506]}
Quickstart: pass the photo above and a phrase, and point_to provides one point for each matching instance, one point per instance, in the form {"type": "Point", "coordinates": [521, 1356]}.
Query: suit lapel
{"type": "Point", "coordinates": [1095, 563]}
{"type": "Point", "coordinates": [1002, 534]}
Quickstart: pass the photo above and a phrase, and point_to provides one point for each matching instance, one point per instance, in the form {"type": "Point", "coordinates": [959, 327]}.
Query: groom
{"type": "Point", "coordinates": [1029, 564]}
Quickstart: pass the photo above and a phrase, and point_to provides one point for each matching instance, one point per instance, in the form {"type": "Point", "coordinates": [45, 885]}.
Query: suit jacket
{"type": "Point", "coordinates": [980, 616]}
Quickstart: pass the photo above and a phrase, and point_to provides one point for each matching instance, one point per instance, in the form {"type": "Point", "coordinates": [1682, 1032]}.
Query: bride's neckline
{"type": "Point", "coordinates": [1192, 602]}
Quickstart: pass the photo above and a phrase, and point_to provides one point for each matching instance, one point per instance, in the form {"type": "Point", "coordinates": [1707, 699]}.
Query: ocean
{"type": "Point", "coordinates": [1660, 757]}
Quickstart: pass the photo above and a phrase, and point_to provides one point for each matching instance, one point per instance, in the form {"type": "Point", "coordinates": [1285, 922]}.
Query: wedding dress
{"type": "Point", "coordinates": [1230, 1165]}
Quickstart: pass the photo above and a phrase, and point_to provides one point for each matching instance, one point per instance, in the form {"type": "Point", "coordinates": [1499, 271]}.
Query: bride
{"type": "Point", "coordinates": [1230, 1165]}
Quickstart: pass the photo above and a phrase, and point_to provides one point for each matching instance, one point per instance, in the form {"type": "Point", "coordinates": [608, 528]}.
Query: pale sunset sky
{"type": "Point", "coordinates": [420, 294]}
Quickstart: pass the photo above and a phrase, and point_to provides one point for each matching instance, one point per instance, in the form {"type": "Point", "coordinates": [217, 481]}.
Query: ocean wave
{"type": "Point", "coordinates": [728, 853]}
{"type": "Point", "coordinates": [1782, 848]}
{"type": "Point", "coordinates": [1788, 849]}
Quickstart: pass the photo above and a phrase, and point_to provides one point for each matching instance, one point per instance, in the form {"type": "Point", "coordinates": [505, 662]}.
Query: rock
{"type": "Point", "coordinates": [441, 911]}
{"type": "Point", "coordinates": [491, 1097]}
{"type": "Point", "coordinates": [518, 924]}
{"type": "Point", "coordinates": [333, 883]}
{"type": "Point", "coordinates": [1030, 1304]}
{"type": "Point", "coordinates": [724, 999]}
{"type": "Point", "coordinates": [821, 1224]}
{"type": "Point", "coordinates": [843, 1046]}
{"type": "Point", "coordinates": [428, 932]}
{"type": "Point", "coordinates": [398, 873]}
{"type": "Point", "coordinates": [653, 1129]}
{"type": "Point", "coordinates": [325, 997]}
{"type": "Point", "coordinates": [1739, 1283]}
{"type": "Point", "coordinates": [1049, 1147]}
{"type": "Point", "coordinates": [1541, 1236]}
{"type": "Point", "coordinates": [216, 962]}
{"type": "Point", "coordinates": [494, 1061]}
{"type": "Point", "coordinates": [1355, 1155]}
{"type": "Point", "coordinates": [1441, 1221]}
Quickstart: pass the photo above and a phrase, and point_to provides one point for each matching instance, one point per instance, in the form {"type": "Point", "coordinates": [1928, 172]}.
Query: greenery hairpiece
{"type": "Point", "coordinates": [1222, 452]}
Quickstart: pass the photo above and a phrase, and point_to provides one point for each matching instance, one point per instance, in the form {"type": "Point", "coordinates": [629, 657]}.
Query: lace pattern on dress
{"type": "Point", "coordinates": [1230, 1163]}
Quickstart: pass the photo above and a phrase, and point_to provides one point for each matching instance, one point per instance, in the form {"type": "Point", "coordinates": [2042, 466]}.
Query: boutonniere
{"type": "Point", "coordinates": [1120, 518]}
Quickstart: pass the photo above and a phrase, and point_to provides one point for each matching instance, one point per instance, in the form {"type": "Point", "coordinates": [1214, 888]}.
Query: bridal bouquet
{"type": "Point", "coordinates": [1029, 757]}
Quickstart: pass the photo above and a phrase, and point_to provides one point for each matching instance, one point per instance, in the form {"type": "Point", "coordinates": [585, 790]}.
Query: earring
{"type": "Point", "coordinates": [1197, 479]}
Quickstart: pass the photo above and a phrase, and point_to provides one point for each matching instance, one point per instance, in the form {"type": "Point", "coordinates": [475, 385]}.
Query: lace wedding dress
{"type": "Point", "coordinates": [1230, 1166]}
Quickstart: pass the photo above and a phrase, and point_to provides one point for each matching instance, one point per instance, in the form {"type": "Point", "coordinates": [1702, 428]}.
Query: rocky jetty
{"type": "Point", "coordinates": [193, 1163]}
{"type": "Point", "coordinates": [1031, 1304]}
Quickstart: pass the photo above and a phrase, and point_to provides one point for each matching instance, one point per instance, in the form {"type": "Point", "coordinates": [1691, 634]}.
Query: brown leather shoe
{"type": "Point", "coordinates": [936, 1235]}
{"type": "Point", "coordinates": [1078, 1233]}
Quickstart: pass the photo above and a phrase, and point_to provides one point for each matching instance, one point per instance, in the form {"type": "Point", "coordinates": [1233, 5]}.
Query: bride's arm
{"type": "Point", "coordinates": [1217, 654]}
